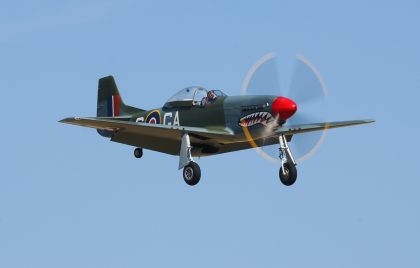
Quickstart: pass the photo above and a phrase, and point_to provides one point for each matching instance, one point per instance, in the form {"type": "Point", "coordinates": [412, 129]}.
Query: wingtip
{"type": "Point", "coordinates": [68, 119]}
{"type": "Point", "coordinates": [64, 120]}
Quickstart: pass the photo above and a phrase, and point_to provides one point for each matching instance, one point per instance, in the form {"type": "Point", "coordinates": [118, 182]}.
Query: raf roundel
{"type": "Point", "coordinates": [153, 117]}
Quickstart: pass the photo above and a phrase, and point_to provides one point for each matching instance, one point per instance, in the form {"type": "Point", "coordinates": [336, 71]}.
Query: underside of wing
{"type": "Point", "coordinates": [161, 138]}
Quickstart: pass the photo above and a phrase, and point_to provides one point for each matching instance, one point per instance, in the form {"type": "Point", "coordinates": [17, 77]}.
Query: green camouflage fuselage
{"type": "Point", "coordinates": [225, 113]}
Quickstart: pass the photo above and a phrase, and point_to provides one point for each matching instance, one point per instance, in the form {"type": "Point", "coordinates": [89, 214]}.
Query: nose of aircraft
{"type": "Point", "coordinates": [283, 107]}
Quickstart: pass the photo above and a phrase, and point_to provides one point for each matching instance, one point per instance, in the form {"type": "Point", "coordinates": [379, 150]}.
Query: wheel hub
{"type": "Point", "coordinates": [286, 173]}
{"type": "Point", "coordinates": [189, 173]}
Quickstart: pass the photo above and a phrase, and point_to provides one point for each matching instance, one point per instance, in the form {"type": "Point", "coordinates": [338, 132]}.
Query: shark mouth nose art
{"type": "Point", "coordinates": [255, 118]}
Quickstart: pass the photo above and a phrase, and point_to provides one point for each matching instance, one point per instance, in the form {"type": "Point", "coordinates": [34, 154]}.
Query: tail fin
{"type": "Point", "coordinates": [110, 103]}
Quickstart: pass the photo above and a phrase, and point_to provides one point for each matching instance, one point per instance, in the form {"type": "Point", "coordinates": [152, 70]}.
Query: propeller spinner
{"type": "Point", "coordinates": [284, 108]}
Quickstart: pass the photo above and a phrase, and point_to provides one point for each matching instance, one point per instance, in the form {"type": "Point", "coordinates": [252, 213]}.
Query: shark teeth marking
{"type": "Point", "coordinates": [255, 118]}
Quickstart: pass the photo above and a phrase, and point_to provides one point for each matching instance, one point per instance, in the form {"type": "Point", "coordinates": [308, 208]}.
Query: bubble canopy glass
{"type": "Point", "coordinates": [192, 95]}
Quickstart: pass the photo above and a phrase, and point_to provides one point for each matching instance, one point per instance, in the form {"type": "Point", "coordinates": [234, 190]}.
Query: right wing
{"type": "Point", "coordinates": [161, 138]}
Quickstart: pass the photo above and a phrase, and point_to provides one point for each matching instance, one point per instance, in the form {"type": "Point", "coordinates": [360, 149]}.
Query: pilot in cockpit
{"type": "Point", "coordinates": [211, 96]}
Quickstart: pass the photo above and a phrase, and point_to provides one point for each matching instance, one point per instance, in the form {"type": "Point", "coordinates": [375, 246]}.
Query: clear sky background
{"type": "Point", "coordinates": [70, 198]}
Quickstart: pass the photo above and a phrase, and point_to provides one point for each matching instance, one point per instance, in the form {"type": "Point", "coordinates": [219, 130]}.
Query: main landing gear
{"type": "Point", "coordinates": [288, 171]}
{"type": "Point", "coordinates": [192, 171]}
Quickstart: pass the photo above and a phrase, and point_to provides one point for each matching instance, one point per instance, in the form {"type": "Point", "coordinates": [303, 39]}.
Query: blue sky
{"type": "Point", "coordinates": [70, 198]}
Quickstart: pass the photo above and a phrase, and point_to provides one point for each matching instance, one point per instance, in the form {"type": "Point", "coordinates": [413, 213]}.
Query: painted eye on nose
{"type": "Point", "coordinates": [283, 107]}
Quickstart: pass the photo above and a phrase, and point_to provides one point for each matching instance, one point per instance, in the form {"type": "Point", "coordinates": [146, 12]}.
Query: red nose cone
{"type": "Point", "coordinates": [283, 107]}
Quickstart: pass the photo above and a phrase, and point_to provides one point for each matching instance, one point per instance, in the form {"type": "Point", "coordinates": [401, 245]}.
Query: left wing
{"type": "Point", "coordinates": [297, 129]}
{"type": "Point", "coordinates": [288, 131]}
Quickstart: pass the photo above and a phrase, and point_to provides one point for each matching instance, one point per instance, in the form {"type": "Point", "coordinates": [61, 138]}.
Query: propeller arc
{"type": "Point", "coordinates": [305, 71]}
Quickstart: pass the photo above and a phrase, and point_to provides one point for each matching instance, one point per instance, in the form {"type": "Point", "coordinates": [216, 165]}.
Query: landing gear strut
{"type": "Point", "coordinates": [288, 171]}
{"type": "Point", "coordinates": [192, 171]}
{"type": "Point", "coordinates": [138, 152]}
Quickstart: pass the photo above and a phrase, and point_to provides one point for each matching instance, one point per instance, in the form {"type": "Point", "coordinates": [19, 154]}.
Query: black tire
{"type": "Point", "coordinates": [192, 173]}
{"type": "Point", "coordinates": [291, 174]}
{"type": "Point", "coordinates": [138, 152]}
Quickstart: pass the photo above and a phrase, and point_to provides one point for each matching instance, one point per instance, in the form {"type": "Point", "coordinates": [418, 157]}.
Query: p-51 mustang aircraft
{"type": "Point", "coordinates": [199, 122]}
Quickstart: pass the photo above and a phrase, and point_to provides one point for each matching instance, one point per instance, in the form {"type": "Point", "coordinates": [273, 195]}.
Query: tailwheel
{"type": "Point", "coordinates": [192, 173]}
{"type": "Point", "coordinates": [138, 152]}
{"type": "Point", "coordinates": [288, 174]}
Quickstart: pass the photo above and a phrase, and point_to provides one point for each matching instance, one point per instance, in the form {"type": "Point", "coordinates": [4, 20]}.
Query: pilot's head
{"type": "Point", "coordinates": [211, 95]}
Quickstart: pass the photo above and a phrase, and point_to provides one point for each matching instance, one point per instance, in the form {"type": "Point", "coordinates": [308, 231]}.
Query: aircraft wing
{"type": "Point", "coordinates": [166, 139]}
{"type": "Point", "coordinates": [161, 138]}
{"type": "Point", "coordinates": [288, 131]}
{"type": "Point", "coordinates": [297, 129]}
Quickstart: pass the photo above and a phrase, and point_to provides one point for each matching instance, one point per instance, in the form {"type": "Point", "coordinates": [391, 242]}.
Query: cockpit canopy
{"type": "Point", "coordinates": [194, 96]}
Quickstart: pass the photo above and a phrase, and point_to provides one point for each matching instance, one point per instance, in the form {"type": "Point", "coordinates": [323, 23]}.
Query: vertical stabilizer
{"type": "Point", "coordinates": [110, 103]}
